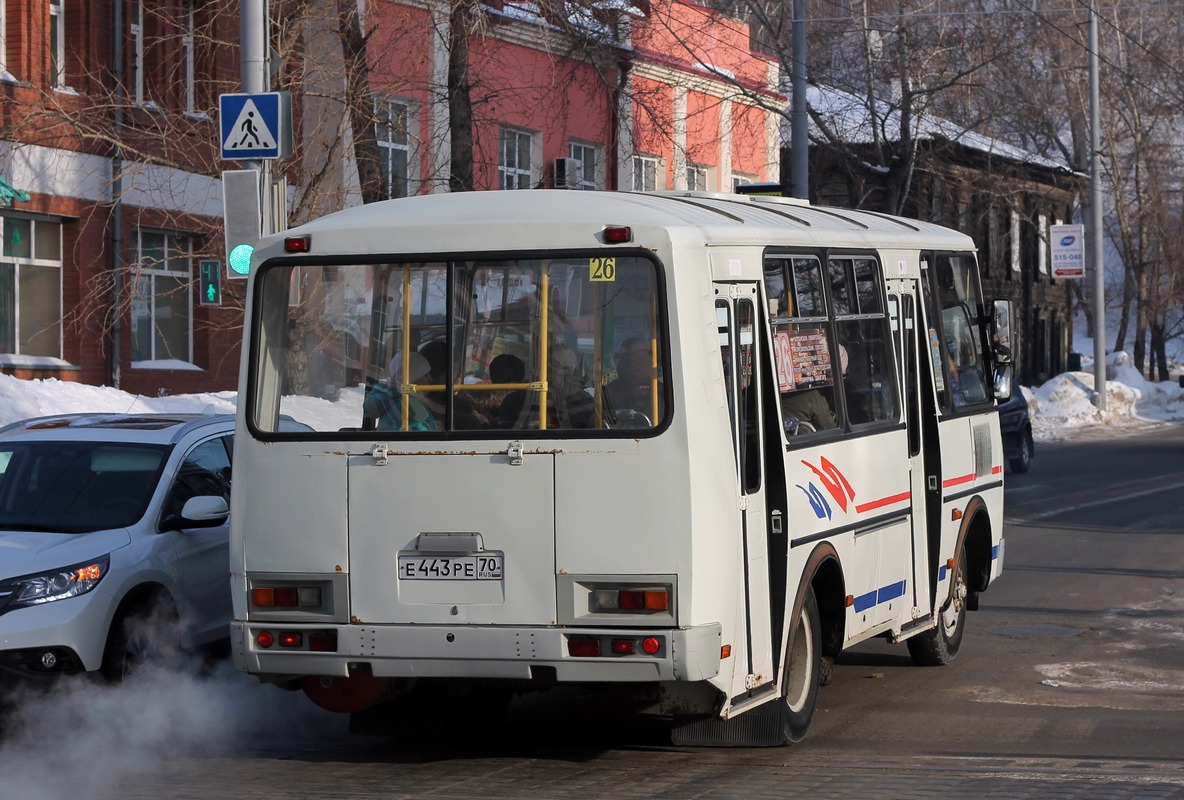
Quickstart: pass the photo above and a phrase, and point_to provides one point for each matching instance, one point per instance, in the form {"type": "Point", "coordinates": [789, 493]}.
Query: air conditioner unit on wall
{"type": "Point", "coordinates": [566, 173]}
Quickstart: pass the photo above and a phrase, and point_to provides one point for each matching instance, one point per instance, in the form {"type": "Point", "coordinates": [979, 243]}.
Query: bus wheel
{"type": "Point", "coordinates": [803, 669]}
{"type": "Point", "coordinates": [939, 646]}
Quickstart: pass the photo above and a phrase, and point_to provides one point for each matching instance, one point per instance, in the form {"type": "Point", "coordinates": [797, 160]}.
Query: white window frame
{"type": "Point", "coordinates": [739, 179]}
{"type": "Point", "coordinates": [511, 174]}
{"type": "Point", "coordinates": [177, 245]}
{"type": "Point", "coordinates": [136, 31]}
{"type": "Point", "coordinates": [1014, 228]}
{"type": "Point", "coordinates": [641, 166]}
{"type": "Point", "coordinates": [57, 43]}
{"type": "Point", "coordinates": [699, 178]}
{"type": "Point", "coordinates": [391, 141]}
{"type": "Point", "coordinates": [5, 77]}
{"type": "Point", "coordinates": [591, 164]}
{"type": "Point", "coordinates": [1042, 244]}
{"type": "Point", "coordinates": [34, 259]}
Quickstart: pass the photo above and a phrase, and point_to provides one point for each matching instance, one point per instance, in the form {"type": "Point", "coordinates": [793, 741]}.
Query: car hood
{"type": "Point", "coordinates": [28, 552]}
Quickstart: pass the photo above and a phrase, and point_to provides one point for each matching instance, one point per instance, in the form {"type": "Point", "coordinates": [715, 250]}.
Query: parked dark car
{"type": "Point", "coordinates": [1016, 428]}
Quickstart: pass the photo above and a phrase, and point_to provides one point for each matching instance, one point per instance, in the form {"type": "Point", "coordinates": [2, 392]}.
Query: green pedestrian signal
{"type": "Point", "coordinates": [210, 283]}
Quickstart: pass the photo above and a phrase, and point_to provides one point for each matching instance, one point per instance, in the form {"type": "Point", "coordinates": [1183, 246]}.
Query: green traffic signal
{"type": "Point", "coordinates": [240, 259]}
{"type": "Point", "coordinates": [211, 283]}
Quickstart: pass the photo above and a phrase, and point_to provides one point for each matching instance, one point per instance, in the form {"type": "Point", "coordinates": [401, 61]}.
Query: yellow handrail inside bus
{"type": "Point", "coordinates": [544, 309]}
{"type": "Point", "coordinates": [405, 360]}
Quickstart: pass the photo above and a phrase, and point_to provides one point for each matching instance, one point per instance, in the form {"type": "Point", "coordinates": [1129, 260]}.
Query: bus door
{"type": "Point", "coordinates": [760, 481]}
{"type": "Point", "coordinates": [919, 411]}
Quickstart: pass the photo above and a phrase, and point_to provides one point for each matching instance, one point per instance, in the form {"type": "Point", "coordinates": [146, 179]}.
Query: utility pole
{"type": "Point", "coordinates": [1095, 216]}
{"type": "Point", "coordinates": [799, 135]}
{"type": "Point", "coordinates": [255, 46]}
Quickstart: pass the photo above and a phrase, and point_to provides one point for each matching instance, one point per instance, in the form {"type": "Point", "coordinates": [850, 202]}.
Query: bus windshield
{"type": "Point", "coordinates": [572, 343]}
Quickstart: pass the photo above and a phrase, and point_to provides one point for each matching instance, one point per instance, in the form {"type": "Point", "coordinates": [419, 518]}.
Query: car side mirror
{"type": "Point", "coordinates": [203, 511]}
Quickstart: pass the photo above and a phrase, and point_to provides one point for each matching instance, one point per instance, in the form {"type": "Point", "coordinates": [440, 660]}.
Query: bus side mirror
{"type": "Point", "coordinates": [1003, 373]}
{"type": "Point", "coordinates": [1001, 348]}
{"type": "Point", "coordinates": [1001, 331]}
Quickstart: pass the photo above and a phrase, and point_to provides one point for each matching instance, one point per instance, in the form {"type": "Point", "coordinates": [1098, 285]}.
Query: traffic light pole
{"type": "Point", "coordinates": [255, 47]}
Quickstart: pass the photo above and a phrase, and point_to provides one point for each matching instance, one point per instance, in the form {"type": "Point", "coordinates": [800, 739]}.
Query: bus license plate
{"type": "Point", "coordinates": [482, 567]}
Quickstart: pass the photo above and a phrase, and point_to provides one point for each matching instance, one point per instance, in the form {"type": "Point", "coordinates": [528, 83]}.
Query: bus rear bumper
{"type": "Point", "coordinates": [478, 652]}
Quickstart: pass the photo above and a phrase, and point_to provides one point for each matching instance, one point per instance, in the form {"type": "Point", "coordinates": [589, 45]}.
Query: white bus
{"type": "Point", "coordinates": [696, 443]}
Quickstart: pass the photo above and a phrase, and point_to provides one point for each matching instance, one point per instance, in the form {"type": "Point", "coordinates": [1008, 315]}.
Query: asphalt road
{"type": "Point", "coordinates": [1070, 684]}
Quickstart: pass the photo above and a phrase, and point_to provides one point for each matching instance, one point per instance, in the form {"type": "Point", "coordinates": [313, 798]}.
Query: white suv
{"type": "Point", "coordinates": [109, 526]}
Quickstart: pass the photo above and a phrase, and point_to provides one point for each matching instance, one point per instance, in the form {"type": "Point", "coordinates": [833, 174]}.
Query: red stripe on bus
{"type": "Point", "coordinates": [883, 501]}
{"type": "Point", "coordinates": [955, 481]}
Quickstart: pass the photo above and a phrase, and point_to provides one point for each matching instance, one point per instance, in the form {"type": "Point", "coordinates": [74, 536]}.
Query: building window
{"type": "Point", "coordinates": [188, 57]}
{"type": "Point", "coordinates": [31, 287]}
{"type": "Point", "coordinates": [697, 178]}
{"type": "Point", "coordinates": [161, 320]}
{"type": "Point", "coordinates": [514, 167]}
{"type": "Point", "coordinates": [645, 174]}
{"type": "Point", "coordinates": [1014, 236]}
{"type": "Point", "coordinates": [137, 52]}
{"type": "Point", "coordinates": [57, 43]}
{"type": "Point", "coordinates": [394, 147]}
{"type": "Point", "coordinates": [4, 75]}
{"type": "Point", "coordinates": [589, 159]}
{"type": "Point", "coordinates": [739, 180]}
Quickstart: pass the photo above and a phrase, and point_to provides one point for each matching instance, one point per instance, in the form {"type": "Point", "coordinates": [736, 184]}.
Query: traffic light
{"type": "Point", "coordinates": [242, 218]}
{"type": "Point", "coordinates": [210, 282]}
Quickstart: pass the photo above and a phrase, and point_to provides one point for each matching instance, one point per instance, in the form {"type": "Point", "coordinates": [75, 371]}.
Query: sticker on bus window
{"type": "Point", "coordinates": [939, 380]}
{"type": "Point", "coordinates": [803, 359]}
{"type": "Point", "coordinates": [602, 269]}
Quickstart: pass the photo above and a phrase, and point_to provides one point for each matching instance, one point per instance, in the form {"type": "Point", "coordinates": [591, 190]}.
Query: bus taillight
{"type": "Point", "coordinates": [632, 599]}
{"type": "Point", "coordinates": [286, 597]}
{"type": "Point", "coordinates": [583, 646]}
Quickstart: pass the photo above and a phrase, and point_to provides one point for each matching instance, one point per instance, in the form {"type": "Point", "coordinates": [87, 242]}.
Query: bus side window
{"type": "Point", "coordinates": [869, 379]}
{"type": "Point", "coordinates": [802, 340]}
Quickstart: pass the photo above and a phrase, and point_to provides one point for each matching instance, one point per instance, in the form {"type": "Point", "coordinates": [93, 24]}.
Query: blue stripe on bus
{"type": "Point", "coordinates": [882, 595]}
{"type": "Point", "coordinates": [941, 572]}
{"type": "Point", "coordinates": [890, 592]}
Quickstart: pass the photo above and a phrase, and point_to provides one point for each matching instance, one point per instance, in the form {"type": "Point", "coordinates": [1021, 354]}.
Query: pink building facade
{"type": "Point", "coordinates": [110, 189]}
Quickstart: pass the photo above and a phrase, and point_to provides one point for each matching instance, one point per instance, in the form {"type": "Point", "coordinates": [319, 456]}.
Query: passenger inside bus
{"type": "Point", "coordinates": [812, 409]}
{"type": "Point", "coordinates": [385, 402]}
{"type": "Point", "coordinates": [633, 390]}
{"type": "Point", "coordinates": [467, 411]}
{"type": "Point", "coordinates": [508, 368]}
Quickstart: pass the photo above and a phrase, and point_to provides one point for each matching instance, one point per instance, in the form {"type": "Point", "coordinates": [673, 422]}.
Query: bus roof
{"type": "Point", "coordinates": [544, 218]}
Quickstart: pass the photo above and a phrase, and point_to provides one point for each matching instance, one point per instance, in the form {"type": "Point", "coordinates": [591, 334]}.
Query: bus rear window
{"type": "Point", "coordinates": [563, 344]}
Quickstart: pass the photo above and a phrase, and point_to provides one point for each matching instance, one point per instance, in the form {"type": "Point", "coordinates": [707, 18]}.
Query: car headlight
{"type": "Point", "coordinates": [47, 587]}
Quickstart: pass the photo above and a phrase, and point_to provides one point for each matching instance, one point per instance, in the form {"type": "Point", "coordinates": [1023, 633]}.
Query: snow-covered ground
{"type": "Point", "coordinates": [1061, 407]}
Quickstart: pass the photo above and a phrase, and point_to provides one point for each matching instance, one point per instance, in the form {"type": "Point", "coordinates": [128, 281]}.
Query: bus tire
{"type": "Point", "coordinates": [939, 646]}
{"type": "Point", "coordinates": [803, 671]}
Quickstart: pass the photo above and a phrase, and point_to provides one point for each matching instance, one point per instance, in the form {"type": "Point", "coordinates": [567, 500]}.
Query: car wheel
{"type": "Point", "coordinates": [939, 646]}
{"type": "Point", "coordinates": [1023, 460]}
{"type": "Point", "coordinates": [145, 634]}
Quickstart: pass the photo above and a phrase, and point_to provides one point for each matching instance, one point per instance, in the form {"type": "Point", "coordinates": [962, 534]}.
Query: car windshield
{"type": "Point", "coordinates": [76, 487]}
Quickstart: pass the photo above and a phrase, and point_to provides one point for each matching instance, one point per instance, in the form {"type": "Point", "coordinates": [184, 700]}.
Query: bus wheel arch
{"type": "Point", "coordinates": [975, 537]}
{"type": "Point", "coordinates": [829, 592]}
{"type": "Point", "coordinates": [969, 574]}
{"type": "Point", "coordinates": [815, 637]}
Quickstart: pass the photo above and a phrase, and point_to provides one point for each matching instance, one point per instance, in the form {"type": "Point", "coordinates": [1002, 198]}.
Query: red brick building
{"type": "Point", "coordinates": [110, 147]}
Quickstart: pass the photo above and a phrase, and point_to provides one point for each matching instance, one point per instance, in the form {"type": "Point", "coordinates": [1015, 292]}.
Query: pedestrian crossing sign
{"type": "Point", "coordinates": [256, 126]}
